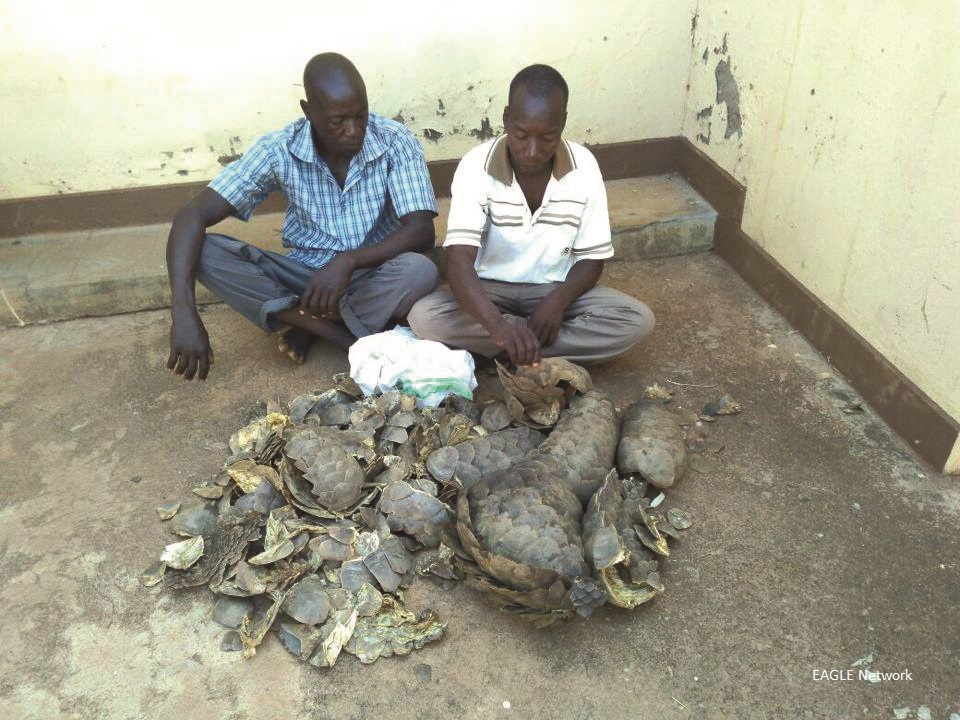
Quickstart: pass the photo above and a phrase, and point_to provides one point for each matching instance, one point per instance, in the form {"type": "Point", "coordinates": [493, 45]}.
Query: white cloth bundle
{"type": "Point", "coordinates": [398, 359]}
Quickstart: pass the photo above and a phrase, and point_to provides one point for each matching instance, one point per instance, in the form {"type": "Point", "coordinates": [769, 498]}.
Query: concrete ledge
{"type": "Point", "coordinates": [104, 272]}
{"type": "Point", "coordinates": [658, 217]}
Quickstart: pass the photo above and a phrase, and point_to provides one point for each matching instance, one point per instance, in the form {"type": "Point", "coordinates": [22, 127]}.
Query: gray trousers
{"type": "Point", "coordinates": [257, 283]}
{"type": "Point", "coordinates": [599, 325]}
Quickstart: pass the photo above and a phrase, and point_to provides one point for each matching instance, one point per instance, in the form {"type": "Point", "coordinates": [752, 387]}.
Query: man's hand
{"type": "Point", "coordinates": [546, 319]}
{"type": "Point", "coordinates": [518, 340]}
{"type": "Point", "coordinates": [190, 352]}
{"type": "Point", "coordinates": [323, 292]}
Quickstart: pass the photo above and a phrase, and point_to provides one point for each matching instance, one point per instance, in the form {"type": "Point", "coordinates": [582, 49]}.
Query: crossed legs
{"type": "Point", "coordinates": [599, 325]}
{"type": "Point", "coordinates": [265, 287]}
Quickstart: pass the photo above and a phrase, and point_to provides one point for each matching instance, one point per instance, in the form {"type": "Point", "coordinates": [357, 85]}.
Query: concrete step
{"type": "Point", "coordinates": [105, 272]}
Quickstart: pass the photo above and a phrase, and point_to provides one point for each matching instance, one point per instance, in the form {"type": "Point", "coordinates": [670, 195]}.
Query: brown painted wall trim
{"type": "Point", "coordinates": [637, 158]}
{"type": "Point", "coordinates": [89, 210]}
{"type": "Point", "coordinates": [158, 203]}
{"type": "Point", "coordinates": [715, 184]}
{"type": "Point", "coordinates": [902, 405]}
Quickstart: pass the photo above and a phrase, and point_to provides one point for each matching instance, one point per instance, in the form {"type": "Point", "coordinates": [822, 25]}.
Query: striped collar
{"type": "Point", "coordinates": [498, 161]}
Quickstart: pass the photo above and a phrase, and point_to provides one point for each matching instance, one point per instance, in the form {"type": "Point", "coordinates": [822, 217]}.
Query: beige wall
{"type": "Point", "coordinates": [98, 94]}
{"type": "Point", "coordinates": [848, 141]}
{"type": "Point", "coordinates": [849, 147]}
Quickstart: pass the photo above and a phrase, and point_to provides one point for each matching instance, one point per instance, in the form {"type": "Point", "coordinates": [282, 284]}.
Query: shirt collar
{"type": "Point", "coordinates": [302, 143]}
{"type": "Point", "coordinates": [498, 161]}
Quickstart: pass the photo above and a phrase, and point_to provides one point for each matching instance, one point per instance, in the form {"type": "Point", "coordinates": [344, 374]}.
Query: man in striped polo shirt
{"type": "Point", "coordinates": [360, 211]}
{"type": "Point", "coordinates": [527, 237]}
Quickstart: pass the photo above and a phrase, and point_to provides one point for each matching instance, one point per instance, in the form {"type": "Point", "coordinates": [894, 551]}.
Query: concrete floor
{"type": "Point", "coordinates": [819, 540]}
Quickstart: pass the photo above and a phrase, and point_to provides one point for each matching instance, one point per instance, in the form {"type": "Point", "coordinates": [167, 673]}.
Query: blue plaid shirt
{"type": "Point", "coordinates": [386, 180]}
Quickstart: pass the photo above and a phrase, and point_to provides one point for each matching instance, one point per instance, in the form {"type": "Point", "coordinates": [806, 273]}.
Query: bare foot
{"type": "Point", "coordinates": [295, 343]}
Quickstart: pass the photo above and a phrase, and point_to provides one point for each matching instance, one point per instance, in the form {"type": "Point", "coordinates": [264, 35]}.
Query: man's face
{"type": "Point", "coordinates": [534, 126]}
{"type": "Point", "coordinates": [339, 116]}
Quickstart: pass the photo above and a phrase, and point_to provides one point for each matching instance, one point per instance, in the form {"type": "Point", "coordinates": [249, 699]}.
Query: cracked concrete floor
{"type": "Point", "coordinates": [818, 540]}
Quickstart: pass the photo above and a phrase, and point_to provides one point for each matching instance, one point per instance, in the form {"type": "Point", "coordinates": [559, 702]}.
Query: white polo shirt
{"type": "Point", "coordinates": [488, 210]}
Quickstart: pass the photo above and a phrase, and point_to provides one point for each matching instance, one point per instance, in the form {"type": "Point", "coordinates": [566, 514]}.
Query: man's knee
{"type": "Point", "coordinates": [638, 320]}
{"type": "Point", "coordinates": [418, 271]}
{"type": "Point", "coordinates": [215, 251]}
{"type": "Point", "coordinates": [421, 316]}
{"type": "Point", "coordinates": [622, 320]}
{"type": "Point", "coordinates": [415, 274]}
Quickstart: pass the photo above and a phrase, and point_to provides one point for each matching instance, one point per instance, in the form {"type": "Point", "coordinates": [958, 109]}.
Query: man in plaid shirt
{"type": "Point", "coordinates": [360, 212]}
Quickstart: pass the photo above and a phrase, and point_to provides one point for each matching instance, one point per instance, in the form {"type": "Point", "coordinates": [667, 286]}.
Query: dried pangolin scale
{"type": "Point", "coordinates": [620, 564]}
{"type": "Point", "coordinates": [471, 460]}
{"type": "Point", "coordinates": [524, 536]}
{"type": "Point", "coordinates": [535, 394]}
{"type": "Point", "coordinates": [415, 512]}
{"type": "Point", "coordinates": [223, 548]}
{"type": "Point", "coordinates": [652, 445]}
{"type": "Point", "coordinates": [523, 526]}
{"type": "Point", "coordinates": [584, 443]}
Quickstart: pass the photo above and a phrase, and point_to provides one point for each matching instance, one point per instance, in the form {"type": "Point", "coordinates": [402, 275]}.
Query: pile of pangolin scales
{"type": "Point", "coordinates": [549, 502]}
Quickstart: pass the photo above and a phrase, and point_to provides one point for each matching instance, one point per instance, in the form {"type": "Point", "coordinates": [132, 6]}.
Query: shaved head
{"type": "Point", "coordinates": [330, 76]}
{"type": "Point", "coordinates": [534, 119]}
{"type": "Point", "coordinates": [539, 81]}
{"type": "Point", "coordinates": [336, 106]}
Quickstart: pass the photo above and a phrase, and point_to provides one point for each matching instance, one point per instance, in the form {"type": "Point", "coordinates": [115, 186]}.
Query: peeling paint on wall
{"type": "Point", "coordinates": [228, 157]}
{"type": "Point", "coordinates": [729, 93]}
{"type": "Point", "coordinates": [835, 178]}
{"type": "Point", "coordinates": [432, 134]}
{"type": "Point", "coordinates": [427, 77]}
{"type": "Point", "coordinates": [726, 108]}
{"type": "Point", "coordinates": [484, 132]}
{"type": "Point", "coordinates": [722, 50]}
{"type": "Point", "coordinates": [703, 118]}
